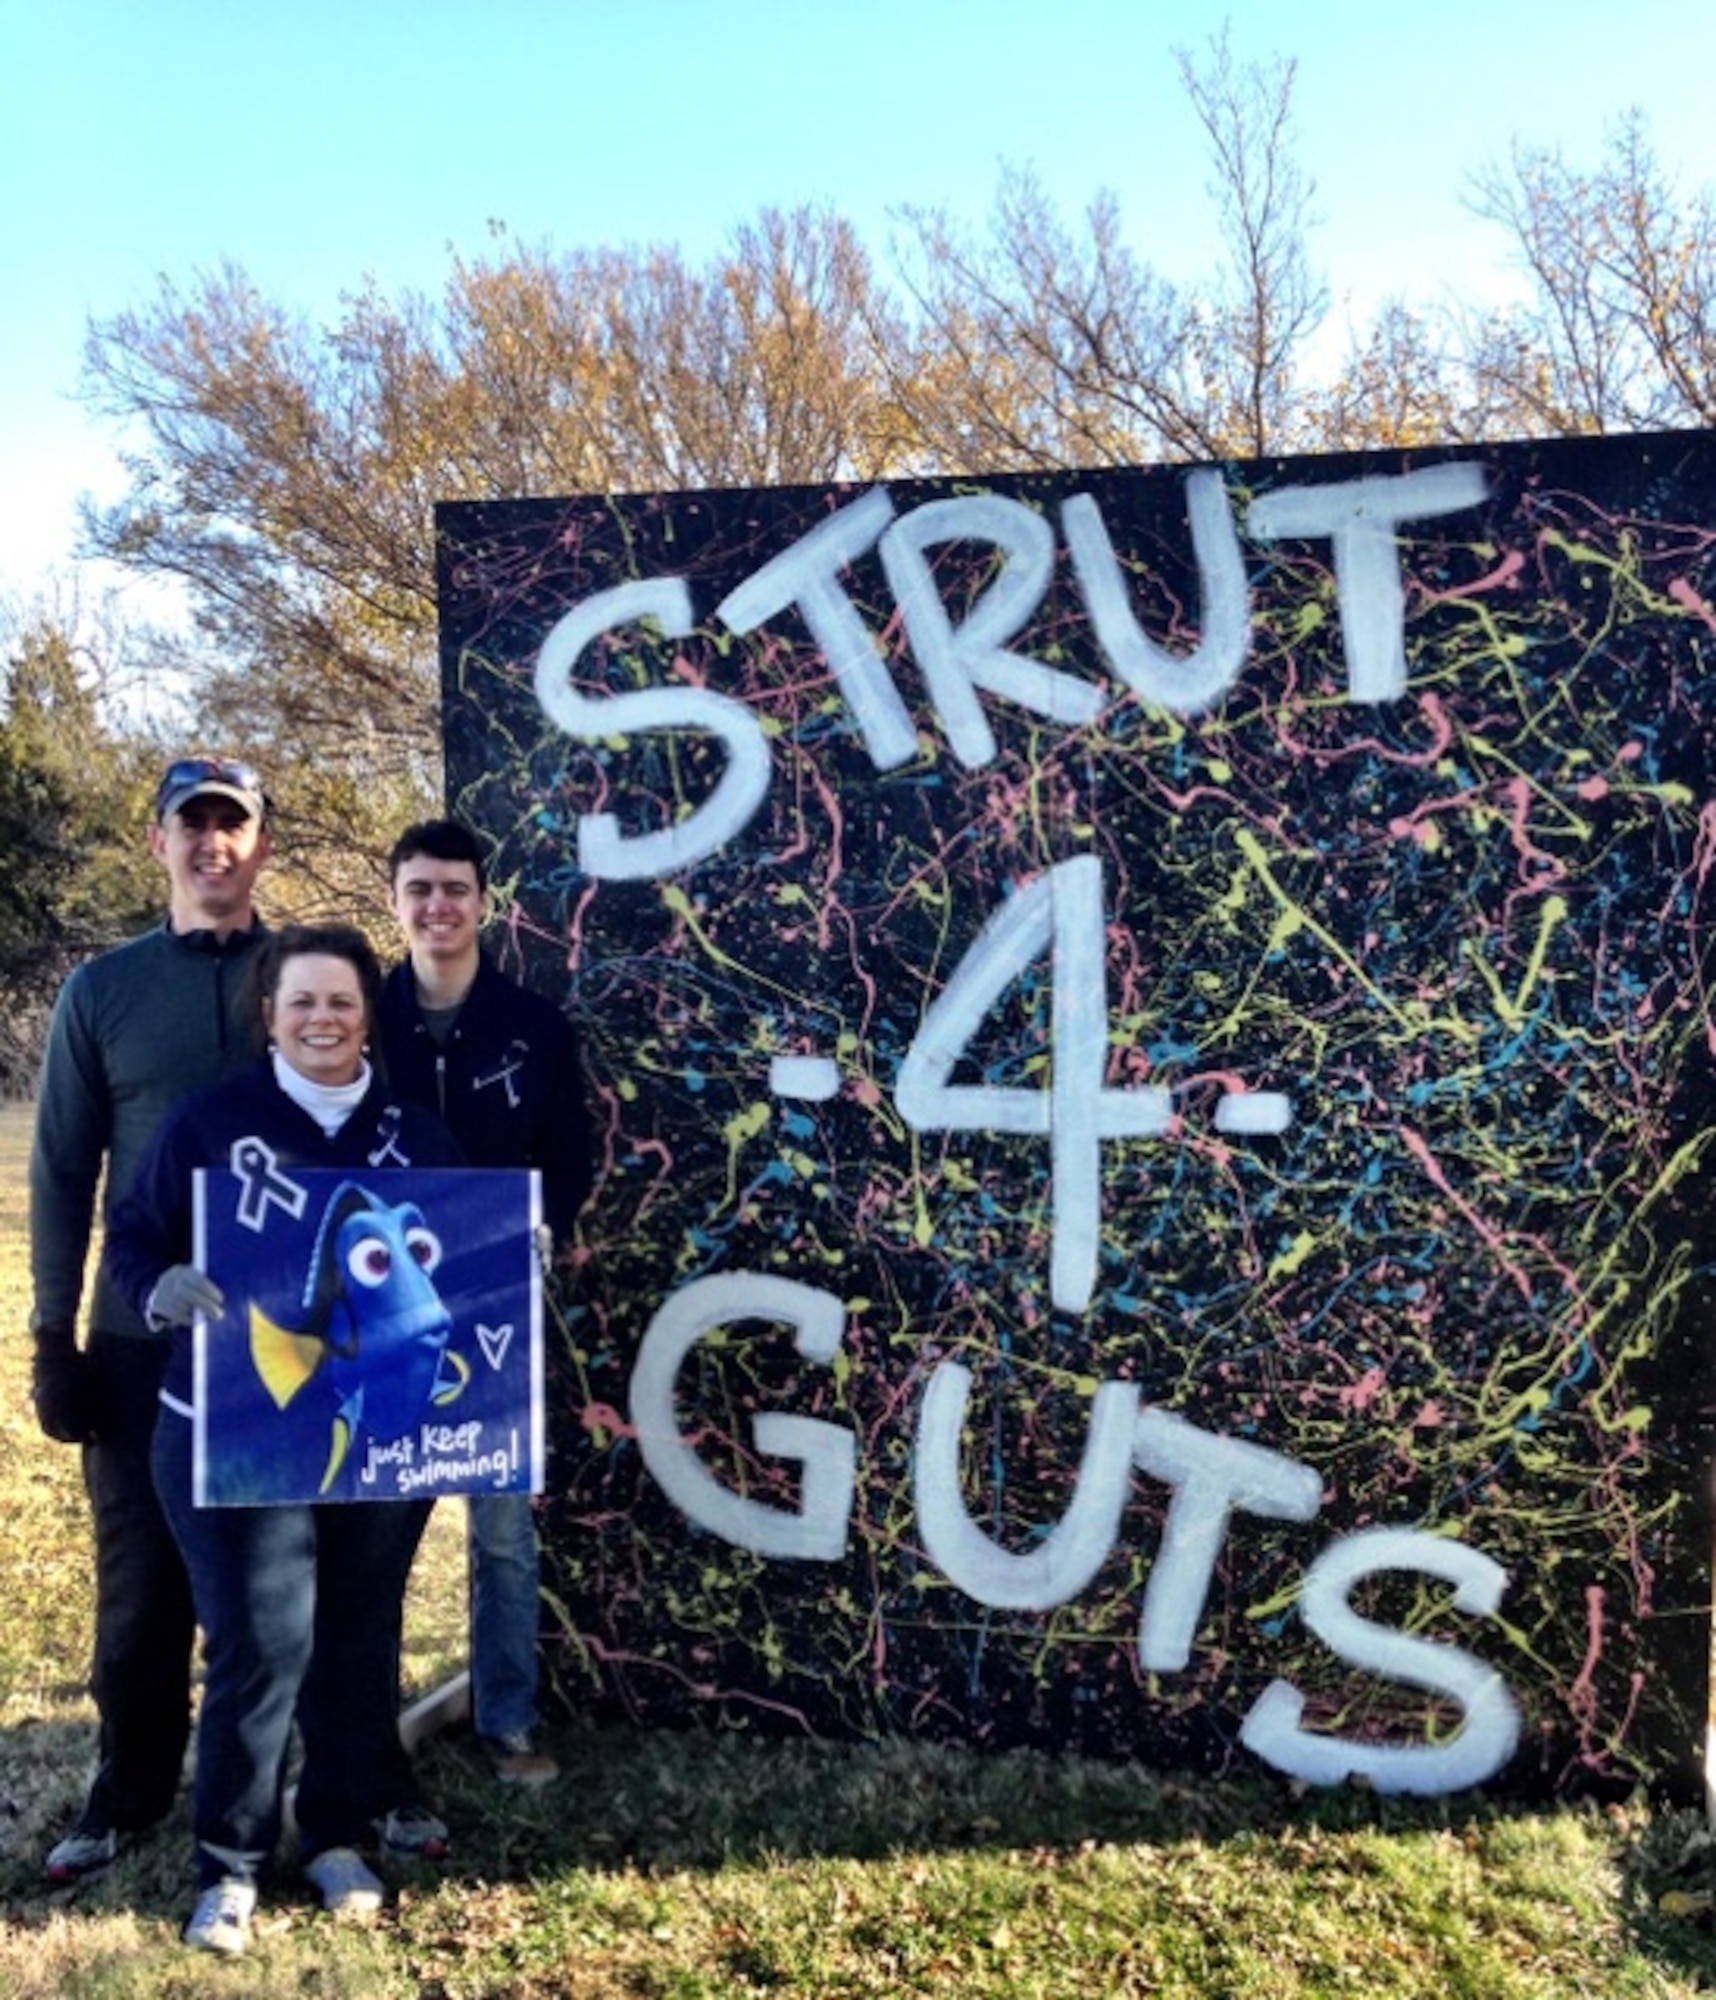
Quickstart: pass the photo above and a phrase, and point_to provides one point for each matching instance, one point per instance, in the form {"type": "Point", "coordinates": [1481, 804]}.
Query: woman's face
{"type": "Point", "coordinates": [316, 1017]}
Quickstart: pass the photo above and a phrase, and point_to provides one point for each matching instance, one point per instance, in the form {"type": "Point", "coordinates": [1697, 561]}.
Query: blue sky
{"type": "Point", "coordinates": [320, 141]}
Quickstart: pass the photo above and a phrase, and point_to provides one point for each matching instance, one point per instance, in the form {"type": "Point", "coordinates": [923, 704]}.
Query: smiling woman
{"type": "Point", "coordinates": [318, 1018]}
{"type": "Point", "coordinates": [301, 1605]}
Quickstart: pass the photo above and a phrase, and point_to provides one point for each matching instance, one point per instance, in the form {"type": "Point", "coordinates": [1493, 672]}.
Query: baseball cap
{"type": "Point", "coordinates": [187, 778]}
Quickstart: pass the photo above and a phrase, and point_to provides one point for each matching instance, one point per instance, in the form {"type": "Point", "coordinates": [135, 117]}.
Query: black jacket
{"type": "Point", "coordinates": [153, 1226]}
{"type": "Point", "coordinates": [506, 1082]}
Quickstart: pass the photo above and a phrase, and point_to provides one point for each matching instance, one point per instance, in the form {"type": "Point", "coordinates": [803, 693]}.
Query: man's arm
{"type": "Point", "coordinates": [73, 1128]}
{"type": "Point", "coordinates": [566, 1143]}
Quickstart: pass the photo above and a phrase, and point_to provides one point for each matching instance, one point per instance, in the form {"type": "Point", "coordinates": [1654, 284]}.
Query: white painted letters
{"type": "Point", "coordinates": [1069, 1555]}
{"type": "Point", "coordinates": [808, 574]}
{"type": "Point", "coordinates": [828, 1454]}
{"type": "Point", "coordinates": [1060, 915]}
{"type": "Point", "coordinates": [1485, 1740]}
{"type": "Point", "coordinates": [1211, 1477]}
{"type": "Point", "coordinates": [603, 851]}
{"type": "Point", "coordinates": [1060, 912]}
{"type": "Point", "coordinates": [957, 660]}
{"type": "Point", "coordinates": [1183, 686]}
{"type": "Point", "coordinates": [1361, 515]}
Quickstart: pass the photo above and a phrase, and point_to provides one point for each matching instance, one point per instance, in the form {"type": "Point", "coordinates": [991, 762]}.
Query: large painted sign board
{"type": "Point", "coordinates": [1150, 1039]}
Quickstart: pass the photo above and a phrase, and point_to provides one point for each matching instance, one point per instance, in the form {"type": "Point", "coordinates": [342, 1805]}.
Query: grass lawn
{"type": "Point", "coordinates": [685, 1867]}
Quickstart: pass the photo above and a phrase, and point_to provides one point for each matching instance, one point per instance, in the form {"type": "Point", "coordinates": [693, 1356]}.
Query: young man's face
{"type": "Point", "coordinates": [213, 851]}
{"type": "Point", "coordinates": [439, 908]}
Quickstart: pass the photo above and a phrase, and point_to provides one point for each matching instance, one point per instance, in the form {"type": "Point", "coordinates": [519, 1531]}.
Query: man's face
{"type": "Point", "coordinates": [213, 852]}
{"type": "Point", "coordinates": [439, 908]}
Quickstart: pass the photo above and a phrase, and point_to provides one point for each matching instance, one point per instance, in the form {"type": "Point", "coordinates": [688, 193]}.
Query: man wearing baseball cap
{"type": "Point", "coordinates": [133, 1030]}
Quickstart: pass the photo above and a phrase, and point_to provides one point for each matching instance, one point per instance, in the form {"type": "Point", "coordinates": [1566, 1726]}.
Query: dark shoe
{"type": "Point", "coordinates": [517, 1760]}
{"type": "Point", "coordinates": [413, 1833]}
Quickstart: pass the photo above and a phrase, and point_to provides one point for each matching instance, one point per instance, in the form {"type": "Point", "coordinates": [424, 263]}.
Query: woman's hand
{"type": "Point", "coordinates": [180, 1293]}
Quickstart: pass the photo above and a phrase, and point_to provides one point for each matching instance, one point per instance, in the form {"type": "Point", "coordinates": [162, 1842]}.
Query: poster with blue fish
{"type": "Point", "coordinates": [381, 1338]}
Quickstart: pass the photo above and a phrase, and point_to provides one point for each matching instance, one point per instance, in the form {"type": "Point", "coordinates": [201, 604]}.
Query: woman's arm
{"type": "Point", "coordinates": [152, 1227]}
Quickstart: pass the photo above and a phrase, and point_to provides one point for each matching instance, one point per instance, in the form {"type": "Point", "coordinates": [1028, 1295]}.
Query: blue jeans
{"type": "Point", "coordinates": [300, 1609]}
{"type": "Point", "coordinates": [505, 1612]}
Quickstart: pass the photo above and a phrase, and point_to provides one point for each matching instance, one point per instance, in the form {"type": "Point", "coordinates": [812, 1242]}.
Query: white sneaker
{"type": "Point", "coordinates": [348, 1887]}
{"type": "Point", "coordinates": [221, 1920]}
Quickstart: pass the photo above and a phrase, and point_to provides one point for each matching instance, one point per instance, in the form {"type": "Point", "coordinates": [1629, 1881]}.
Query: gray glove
{"type": "Point", "coordinates": [181, 1292]}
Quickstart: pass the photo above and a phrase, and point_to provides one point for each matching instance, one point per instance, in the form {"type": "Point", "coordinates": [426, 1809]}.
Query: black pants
{"type": "Point", "coordinates": [145, 1628]}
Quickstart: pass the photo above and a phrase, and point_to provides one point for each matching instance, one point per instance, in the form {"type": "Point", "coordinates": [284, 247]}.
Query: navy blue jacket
{"type": "Point", "coordinates": [507, 1081]}
{"type": "Point", "coordinates": [153, 1226]}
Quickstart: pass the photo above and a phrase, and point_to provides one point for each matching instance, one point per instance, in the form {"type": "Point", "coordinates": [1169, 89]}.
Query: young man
{"type": "Point", "coordinates": [133, 1031]}
{"type": "Point", "coordinates": [500, 1065]}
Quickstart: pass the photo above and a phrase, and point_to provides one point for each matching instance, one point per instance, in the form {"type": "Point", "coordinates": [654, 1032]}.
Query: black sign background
{"type": "Point", "coordinates": [1421, 977]}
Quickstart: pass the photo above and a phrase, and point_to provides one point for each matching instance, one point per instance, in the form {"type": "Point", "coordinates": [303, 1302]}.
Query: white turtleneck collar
{"type": "Point", "coordinates": [330, 1104]}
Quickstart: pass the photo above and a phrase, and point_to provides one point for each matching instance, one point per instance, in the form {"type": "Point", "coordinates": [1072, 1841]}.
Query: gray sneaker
{"type": "Point", "coordinates": [413, 1833]}
{"type": "Point", "coordinates": [221, 1920]}
{"type": "Point", "coordinates": [346, 1885]}
{"type": "Point", "coordinates": [82, 1852]}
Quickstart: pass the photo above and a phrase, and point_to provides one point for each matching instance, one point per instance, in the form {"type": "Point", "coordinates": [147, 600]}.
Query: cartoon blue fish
{"type": "Point", "coordinates": [374, 1328]}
